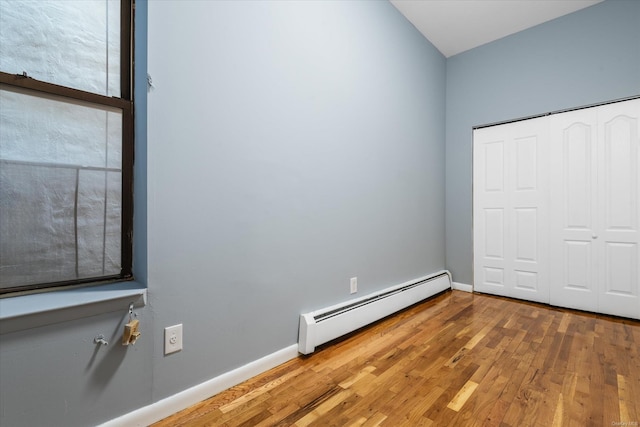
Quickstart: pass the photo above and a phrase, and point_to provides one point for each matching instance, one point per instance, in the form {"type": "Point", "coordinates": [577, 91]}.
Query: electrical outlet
{"type": "Point", "coordinates": [354, 285]}
{"type": "Point", "coordinates": [172, 339]}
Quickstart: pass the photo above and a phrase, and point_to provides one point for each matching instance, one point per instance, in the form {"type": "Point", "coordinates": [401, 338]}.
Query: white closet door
{"type": "Point", "coordinates": [573, 200]}
{"type": "Point", "coordinates": [490, 203]}
{"type": "Point", "coordinates": [556, 209]}
{"type": "Point", "coordinates": [618, 215]}
{"type": "Point", "coordinates": [510, 210]}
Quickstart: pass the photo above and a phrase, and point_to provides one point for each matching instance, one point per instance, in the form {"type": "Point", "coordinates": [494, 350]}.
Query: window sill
{"type": "Point", "coordinates": [32, 311]}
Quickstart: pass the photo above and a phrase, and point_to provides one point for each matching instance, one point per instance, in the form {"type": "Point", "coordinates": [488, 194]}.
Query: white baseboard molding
{"type": "Point", "coordinates": [461, 287]}
{"type": "Point", "coordinates": [157, 411]}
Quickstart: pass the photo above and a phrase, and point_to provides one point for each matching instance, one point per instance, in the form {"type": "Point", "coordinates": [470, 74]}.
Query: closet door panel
{"type": "Point", "coordinates": [577, 267]}
{"type": "Point", "coordinates": [573, 195]}
{"type": "Point", "coordinates": [621, 271]}
{"type": "Point", "coordinates": [510, 205]}
{"type": "Point", "coordinates": [527, 196]}
{"type": "Point", "coordinates": [489, 211]}
{"type": "Point", "coordinates": [494, 233]}
{"type": "Point", "coordinates": [619, 217]}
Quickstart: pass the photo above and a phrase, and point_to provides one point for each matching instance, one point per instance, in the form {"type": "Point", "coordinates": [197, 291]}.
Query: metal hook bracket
{"type": "Point", "coordinates": [131, 332]}
{"type": "Point", "coordinates": [132, 314]}
{"type": "Point", "coordinates": [99, 339]}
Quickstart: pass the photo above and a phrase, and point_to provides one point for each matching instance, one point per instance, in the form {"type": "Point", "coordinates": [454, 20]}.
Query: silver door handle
{"type": "Point", "coordinates": [594, 236]}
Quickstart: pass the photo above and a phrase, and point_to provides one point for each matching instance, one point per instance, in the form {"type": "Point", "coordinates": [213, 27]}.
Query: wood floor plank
{"type": "Point", "coordinates": [375, 420]}
{"type": "Point", "coordinates": [456, 359]}
{"type": "Point", "coordinates": [463, 395]}
{"type": "Point", "coordinates": [252, 394]}
{"type": "Point", "coordinates": [478, 407]}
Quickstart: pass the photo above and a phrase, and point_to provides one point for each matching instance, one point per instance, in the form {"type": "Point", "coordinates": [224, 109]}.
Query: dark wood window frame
{"type": "Point", "coordinates": [123, 103]}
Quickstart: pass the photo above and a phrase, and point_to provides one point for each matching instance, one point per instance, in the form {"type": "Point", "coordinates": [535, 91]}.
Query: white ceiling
{"type": "Point", "coordinates": [454, 26]}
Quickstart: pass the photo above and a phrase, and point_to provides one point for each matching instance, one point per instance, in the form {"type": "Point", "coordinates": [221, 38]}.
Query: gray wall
{"type": "Point", "coordinates": [587, 57]}
{"type": "Point", "coordinates": [292, 145]}
{"type": "Point", "coordinates": [55, 375]}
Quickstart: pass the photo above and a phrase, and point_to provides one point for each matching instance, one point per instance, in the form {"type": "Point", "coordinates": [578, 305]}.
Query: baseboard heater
{"type": "Point", "coordinates": [321, 326]}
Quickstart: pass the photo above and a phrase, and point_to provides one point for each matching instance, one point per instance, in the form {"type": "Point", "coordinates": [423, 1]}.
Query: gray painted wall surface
{"type": "Point", "coordinates": [55, 375]}
{"type": "Point", "coordinates": [586, 57]}
{"type": "Point", "coordinates": [292, 145]}
{"type": "Point", "coordinates": [275, 175]}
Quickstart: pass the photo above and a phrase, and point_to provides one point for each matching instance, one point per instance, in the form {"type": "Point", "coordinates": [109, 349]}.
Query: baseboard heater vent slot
{"type": "Point", "coordinates": [321, 326]}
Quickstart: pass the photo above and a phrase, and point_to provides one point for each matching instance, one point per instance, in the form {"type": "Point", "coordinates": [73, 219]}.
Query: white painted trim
{"type": "Point", "coordinates": [46, 308]}
{"type": "Point", "coordinates": [157, 411]}
{"type": "Point", "coordinates": [461, 287]}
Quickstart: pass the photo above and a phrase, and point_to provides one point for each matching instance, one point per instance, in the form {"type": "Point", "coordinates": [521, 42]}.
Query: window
{"type": "Point", "coordinates": [66, 142]}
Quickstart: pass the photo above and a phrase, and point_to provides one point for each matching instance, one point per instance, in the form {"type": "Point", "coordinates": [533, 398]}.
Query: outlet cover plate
{"type": "Point", "coordinates": [172, 339]}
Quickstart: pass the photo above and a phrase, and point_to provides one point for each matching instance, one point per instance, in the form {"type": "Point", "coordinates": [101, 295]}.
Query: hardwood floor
{"type": "Point", "coordinates": [458, 359]}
